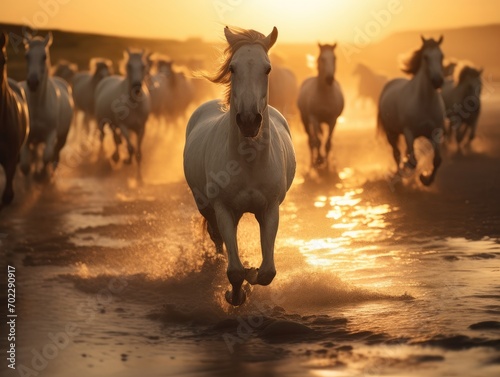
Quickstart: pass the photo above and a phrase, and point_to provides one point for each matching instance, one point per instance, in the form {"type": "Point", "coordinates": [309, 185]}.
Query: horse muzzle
{"type": "Point", "coordinates": [437, 82]}
{"type": "Point", "coordinates": [32, 83]}
{"type": "Point", "coordinates": [329, 80]}
{"type": "Point", "coordinates": [249, 123]}
{"type": "Point", "coordinates": [136, 90]}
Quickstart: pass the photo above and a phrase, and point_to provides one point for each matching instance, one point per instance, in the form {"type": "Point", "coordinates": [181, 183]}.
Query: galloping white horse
{"type": "Point", "coordinates": [321, 101]}
{"type": "Point", "coordinates": [463, 102]}
{"type": "Point", "coordinates": [50, 105]}
{"type": "Point", "coordinates": [283, 88]}
{"type": "Point", "coordinates": [65, 70]}
{"type": "Point", "coordinates": [13, 122]}
{"type": "Point", "coordinates": [84, 85]}
{"type": "Point", "coordinates": [241, 160]}
{"type": "Point", "coordinates": [370, 83]}
{"type": "Point", "coordinates": [178, 93]}
{"type": "Point", "coordinates": [124, 104]}
{"type": "Point", "coordinates": [414, 107]}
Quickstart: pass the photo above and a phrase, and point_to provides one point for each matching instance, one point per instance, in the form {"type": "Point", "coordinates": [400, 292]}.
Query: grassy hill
{"type": "Point", "coordinates": [477, 44]}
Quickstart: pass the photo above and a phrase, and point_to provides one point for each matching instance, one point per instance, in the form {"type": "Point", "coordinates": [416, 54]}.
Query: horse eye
{"type": "Point", "coordinates": [44, 57]}
{"type": "Point", "coordinates": [268, 71]}
{"type": "Point", "coordinates": [231, 69]}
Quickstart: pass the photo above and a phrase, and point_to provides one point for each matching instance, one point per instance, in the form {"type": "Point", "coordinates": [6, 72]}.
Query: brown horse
{"type": "Point", "coordinates": [14, 121]}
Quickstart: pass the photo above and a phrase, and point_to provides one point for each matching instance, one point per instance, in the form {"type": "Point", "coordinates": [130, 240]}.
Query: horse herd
{"type": "Point", "coordinates": [238, 155]}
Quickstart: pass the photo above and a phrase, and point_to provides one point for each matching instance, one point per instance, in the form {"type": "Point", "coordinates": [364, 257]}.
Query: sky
{"type": "Point", "coordinates": [297, 20]}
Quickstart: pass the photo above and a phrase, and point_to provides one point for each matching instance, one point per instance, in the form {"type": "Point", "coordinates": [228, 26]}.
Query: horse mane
{"type": "Point", "coordinates": [467, 70]}
{"type": "Point", "coordinates": [411, 65]}
{"type": "Point", "coordinates": [241, 37]}
{"type": "Point", "coordinates": [95, 62]}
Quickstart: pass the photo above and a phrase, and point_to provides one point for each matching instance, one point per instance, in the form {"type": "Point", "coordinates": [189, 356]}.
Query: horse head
{"type": "Point", "coordinates": [327, 63]}
{"type": "Point", "coordinates": [249, 67]}
{"type": "Point", "coordinates": [432, 60]}
{"type": "Point", "coordinates": [102, 68]}
{"type": "Point", "coordinates": [136, 69]}
{"type": "Point", "coordinates": [470, 79]}
{"type": "Point", "coordinates": [37, 57]}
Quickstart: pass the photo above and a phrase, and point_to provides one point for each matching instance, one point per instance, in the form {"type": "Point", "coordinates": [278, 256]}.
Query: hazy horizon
{"type": "Point", "coordinates": [338, 20]}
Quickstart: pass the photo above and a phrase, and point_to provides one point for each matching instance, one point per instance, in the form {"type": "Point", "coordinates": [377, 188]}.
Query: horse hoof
{"type": "Point", "coordinates": [426, 180]}
{"type": "Point", "coordinates": [266, 277]}
{"type": "Point", "coordinates": [251, 275]}
{"type": "Point", "coordinates": [410, 165]}
{"type": "Point", "coordinates": [115, 157]}
{"type": "Point", "coordinates": [236, 301]}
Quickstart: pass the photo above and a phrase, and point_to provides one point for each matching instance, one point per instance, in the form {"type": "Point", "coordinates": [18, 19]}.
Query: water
{"type": "Point", "coordinates": [372, 279]}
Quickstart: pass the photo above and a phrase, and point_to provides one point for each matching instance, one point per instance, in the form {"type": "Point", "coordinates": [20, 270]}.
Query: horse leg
{"type": "Point", "coordinates": [61, 142]}
{"type": "Point", "coordinates": [411, 163]}
{"type": "Point", "coordinates": [25, 158]}
{"type": "Point", "coordinates": [213, 229]}
{"type": "Point", "coordinates": [227, 223]}
{"type": "Point", "coordinates": [268, 222]}
{"type": "Point", "coordinates": [328, 145]}
{"type": "Point", "coordinates": [130, 147]}
{"type": "Point", "coordinates": [49, 151]}
{"type": "Point", "coordinates": [314, 142]}
{"type": "Point", "coordinates": [138, 154]}
{"type": "Point", "coordinates": [461, 130]}
{"type": "Point", "coordinates": [118, 140]}
{"type": "Point", "coordinates": [392, 138]}
{"type": "Point", "coordinates": [428, 179]}
{"type": "Point", "coordinates": [8, 192]}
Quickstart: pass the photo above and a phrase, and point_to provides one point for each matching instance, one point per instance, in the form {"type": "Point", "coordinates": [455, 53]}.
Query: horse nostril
{"type": "Point", "coordinates": [257, 120]}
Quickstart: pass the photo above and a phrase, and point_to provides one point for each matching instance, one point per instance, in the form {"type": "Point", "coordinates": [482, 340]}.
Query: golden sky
{"type": "Point", "coordinates": [297, 20]}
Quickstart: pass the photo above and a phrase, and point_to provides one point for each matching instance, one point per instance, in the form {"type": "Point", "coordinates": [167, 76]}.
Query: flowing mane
{"type": "Point", "coordinates": [467, 71]}
{"type": "Point", "coordinates": [223, 74]}
{"type": "Point", "coordinates": [412, 64]}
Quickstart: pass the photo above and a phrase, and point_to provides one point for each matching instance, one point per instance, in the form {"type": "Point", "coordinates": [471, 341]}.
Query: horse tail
{"type": "Point", "coordinates": [380, 125]}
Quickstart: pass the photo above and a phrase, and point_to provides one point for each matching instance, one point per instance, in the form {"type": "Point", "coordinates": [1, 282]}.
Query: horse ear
{"type": "Point", "coordinates": [26, 38]}
{"type": "Point", "coordinates": [4, 39]}
{"type": "Point", "coordinates": [440, 40]}
{"type": "Point", "coordinates": [48, 39]}
{"type": "Point", "coordinates": [229, 35]}
{"type": "Point", "coordinates": [422, 38]}
{"type": "Point", "coordinates": [271, 38]}
{"type": "Point", "coordinates": [334, 45]}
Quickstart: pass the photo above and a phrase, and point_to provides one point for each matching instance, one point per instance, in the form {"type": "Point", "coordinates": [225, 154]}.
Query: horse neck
{"type": "Point", "coordinates": [422, 83]}
{"type": "Point", "coordinates": [41, 92]}
{"type": "Point", "coordinates": [321, 84]}
{"type": "Point", "coordinates": [4, 93]}
{"type": "Point", "coordinates": [236, 140]}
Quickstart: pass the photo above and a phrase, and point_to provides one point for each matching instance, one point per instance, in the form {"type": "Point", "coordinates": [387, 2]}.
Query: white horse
{"type": "Point", "coordinates": [370, 83]}
{"type": "Point", "coordinates": [84, 86]}
{"type": "Point", "coordinates": [283, 88]}
{"type": "Point", "coordinates": [414, 107]}
{"type": "Point", "coordinates": [241, 160]}
{"type": "Point", "coordinates": [321, 101]}
{"type": "Point", "coordinates": [50, 105]}
{"type": "Point", "coordinates": [124, 104]}
{"type": "Point", "coordinates": [178, 93]}
{"type": "Point", "coordinates": [14, 122]}
{"type": "Point", "coordinates": [463, 102]}
{"type": "Point", "coordinates": [65, 70]}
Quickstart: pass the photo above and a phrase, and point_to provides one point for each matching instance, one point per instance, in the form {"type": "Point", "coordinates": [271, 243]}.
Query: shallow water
{"type": "Point", "coordinates": [373, 279]}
